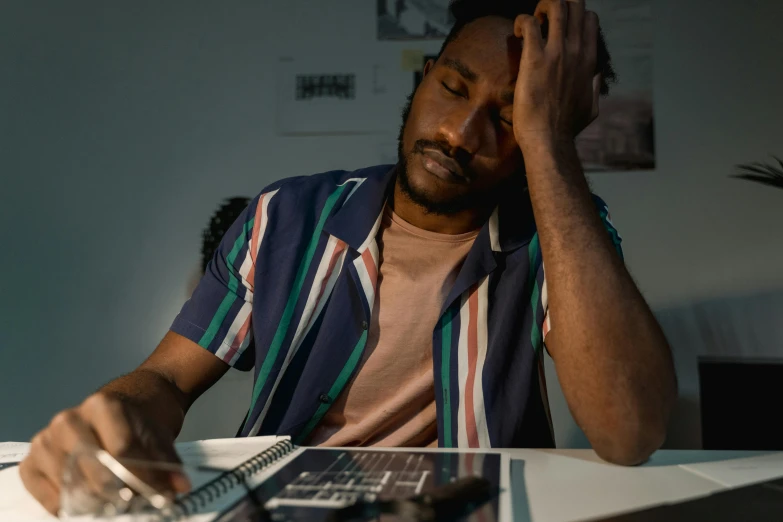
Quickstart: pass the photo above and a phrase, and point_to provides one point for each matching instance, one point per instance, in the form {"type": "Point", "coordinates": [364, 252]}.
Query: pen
{"type": "Point", "coordinates": [4, 465]}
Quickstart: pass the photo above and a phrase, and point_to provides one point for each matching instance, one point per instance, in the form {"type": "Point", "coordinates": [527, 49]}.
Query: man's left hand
{"type": "Point", "coordinates": [557, 89]}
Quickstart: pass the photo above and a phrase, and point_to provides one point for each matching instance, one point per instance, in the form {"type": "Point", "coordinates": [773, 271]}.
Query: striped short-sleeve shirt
{"type": "Point", "coordinates": [290, 291]}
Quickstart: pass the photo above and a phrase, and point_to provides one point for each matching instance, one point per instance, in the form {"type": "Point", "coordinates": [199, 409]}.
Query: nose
{"type": "Point", "coordinates": [462, 129]}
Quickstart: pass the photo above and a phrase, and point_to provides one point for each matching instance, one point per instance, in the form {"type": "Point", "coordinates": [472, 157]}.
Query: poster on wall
{"type": "Point", "coordinates": [622, 137]}
{"type": "Point", "coordinates": [413, 19]}
{"type": "Point", "coordinates": [322, 96]}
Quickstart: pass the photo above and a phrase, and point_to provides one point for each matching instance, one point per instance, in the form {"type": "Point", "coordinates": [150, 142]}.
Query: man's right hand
{"type": "Point", "coordinates": [104, 421]}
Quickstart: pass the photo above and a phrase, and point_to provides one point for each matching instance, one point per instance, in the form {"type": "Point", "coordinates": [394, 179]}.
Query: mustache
{"type": "Point", "coordinates": [421, 145]}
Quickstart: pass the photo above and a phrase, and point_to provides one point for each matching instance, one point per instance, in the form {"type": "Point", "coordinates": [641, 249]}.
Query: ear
{"type": "Point", "coordinates": [428, 67]}
{"type": "Point", "coordinates": [596, 95]}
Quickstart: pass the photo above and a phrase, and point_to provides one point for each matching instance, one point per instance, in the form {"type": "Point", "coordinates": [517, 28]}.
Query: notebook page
{"type": "Point", "coordinates": [219, 454]}
{"type": "Point", "coordinates": [16, 503]}
{"type": "Point", "coordinates": [13, 451]}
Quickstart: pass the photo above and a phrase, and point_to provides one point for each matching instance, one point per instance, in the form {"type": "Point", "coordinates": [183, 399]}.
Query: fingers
{"type": "Point", "coordinates": [111, 426]}
{"type": "Point", "coordinates": [590, 40]}
{"type": "Point", "coordinates": [555, 13]}
{"type": "Point", "coordinates": [36, 471]}
{"type": "Point", "coordinates": [528, 28]}
{"type": "Point", "coordinates": [43, 470]}
{"type": "Point", "coordinates": [73, 435]}
{"type": "Point", "coordinates": [576, 16]}
{"type": "Point", "coordinates": [39, 486]}
{"type": "Point", "coordinates": [126, 437]}
{"type": "Point", "coordinates": [45, 459]}
{"type": "Point", "coordinates": [596, 97]}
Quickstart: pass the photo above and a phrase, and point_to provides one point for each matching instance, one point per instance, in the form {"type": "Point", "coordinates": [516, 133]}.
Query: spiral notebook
{"type": "Point", "coordinates": [287, 483]}
{"type": "Point", "coordinates": [233, 478]}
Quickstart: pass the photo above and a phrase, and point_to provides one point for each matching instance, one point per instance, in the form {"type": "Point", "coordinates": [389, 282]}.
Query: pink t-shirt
{"type": "Point", "coordinates": [391, 400]}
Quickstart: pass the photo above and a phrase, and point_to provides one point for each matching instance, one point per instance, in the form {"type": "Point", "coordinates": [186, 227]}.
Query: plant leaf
{"type": "Point", "coordinates": [762, 173]}
{"type": "Point", "coordinates": [752, 167]}
{"type": "Point", "coordinates": [780, 162]}
{"type": "Point", "coordinates": [766, 180]}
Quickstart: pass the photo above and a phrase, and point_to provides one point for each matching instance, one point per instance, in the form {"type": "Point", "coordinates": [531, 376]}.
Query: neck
{"type": "Point", "coordinates": [458, 223]}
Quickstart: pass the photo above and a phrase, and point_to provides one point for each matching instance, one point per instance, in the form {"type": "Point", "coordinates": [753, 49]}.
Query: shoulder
{"type": "Point", "coordinates": [600, 203]}
{"type": "Point", "coordinates": [314, 188]}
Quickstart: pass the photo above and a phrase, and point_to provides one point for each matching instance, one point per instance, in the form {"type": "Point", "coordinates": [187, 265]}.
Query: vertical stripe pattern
{"type": "Point", "coordinates": [239, 333]}
{"type": "Point", "coordinates": [472, 430]}
{"type": "Point", "coordinates": [366, 264]}
{"type": "Point", "coordinates": [447, 324]}
{"type": "Point", "coordinates": [239, 336]}
{"type": "Point", "coordinates": [326, 275]}
{"type": "Point", "coordinates": [479, 409]}
{"type": "Point", "coordinates": [259, 229]}
{"type": "Point", "coordinates": [288, 312]}
{"type": "Point", "coordinates": [462, 371]}
{"type": "Point", "coordinates": [534, 252]}
{"type": "Point", "coordinates": [494, 231]}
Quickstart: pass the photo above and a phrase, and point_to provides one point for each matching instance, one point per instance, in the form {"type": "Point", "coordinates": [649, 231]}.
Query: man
{"type": "Point", "coordinates": [409, 305]}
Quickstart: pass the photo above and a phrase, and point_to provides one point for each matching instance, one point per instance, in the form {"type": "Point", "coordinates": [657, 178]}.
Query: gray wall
{"type": "Point", "coordinates": [123, 124]}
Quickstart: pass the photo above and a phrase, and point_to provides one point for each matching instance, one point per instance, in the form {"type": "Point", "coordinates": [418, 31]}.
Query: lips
{"type": "Point", "coordinates": [442, 166]}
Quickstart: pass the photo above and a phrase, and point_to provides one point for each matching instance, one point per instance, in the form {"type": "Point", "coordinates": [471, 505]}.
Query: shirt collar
{"type": "Point", "coordinates": [510, 226]}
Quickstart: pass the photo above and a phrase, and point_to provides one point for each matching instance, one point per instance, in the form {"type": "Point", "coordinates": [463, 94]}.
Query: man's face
{"type": "Point", "coordinates": [457, 146]}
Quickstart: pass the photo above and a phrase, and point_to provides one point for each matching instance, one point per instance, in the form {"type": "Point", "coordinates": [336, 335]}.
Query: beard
{"type": "Point", "coordinates": [431, 203]}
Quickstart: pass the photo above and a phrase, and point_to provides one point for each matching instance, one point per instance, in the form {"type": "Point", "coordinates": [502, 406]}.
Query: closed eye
{"type": "Point", "coordinates": [450, 90]}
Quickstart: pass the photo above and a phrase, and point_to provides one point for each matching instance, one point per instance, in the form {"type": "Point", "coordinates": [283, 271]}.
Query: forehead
{"type": "Point", "coordinates": [488, 46]}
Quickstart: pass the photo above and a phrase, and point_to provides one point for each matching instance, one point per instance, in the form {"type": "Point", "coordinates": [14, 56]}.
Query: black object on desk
{"type": "Point", "coordinates": [4, 465]}
{"type": "Point", "coordinates": [738, 398]}
{"type": "Point", "coordinates": [444, 503]}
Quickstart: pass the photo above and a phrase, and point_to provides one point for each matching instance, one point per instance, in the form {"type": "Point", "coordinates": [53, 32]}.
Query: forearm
{"type": "Point", "coordinates": [159, 399]}
{"type": "Point", "coordinates": [612, 358]}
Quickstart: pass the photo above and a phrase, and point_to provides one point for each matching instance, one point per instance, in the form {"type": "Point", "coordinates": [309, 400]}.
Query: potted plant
{"type": "Point", "coordinates": [768, 174]}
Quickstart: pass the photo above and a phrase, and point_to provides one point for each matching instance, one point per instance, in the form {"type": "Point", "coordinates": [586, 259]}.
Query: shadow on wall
{"type": "Point", "coordinates": [742, 327]}
{"type": "Point", "coordinates": [745, 327]}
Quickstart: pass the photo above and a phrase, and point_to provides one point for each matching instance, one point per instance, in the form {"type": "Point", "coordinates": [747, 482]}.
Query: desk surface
{"type": "Point", "coordinates": [562, 485]}
{"type": "Point", "coordinates": [565, 485]}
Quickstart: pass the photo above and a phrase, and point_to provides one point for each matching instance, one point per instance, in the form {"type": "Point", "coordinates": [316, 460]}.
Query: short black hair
{"type": "Point", "coordinates": [228, 212]}
{"type": "Point", "coordinates": [464, 12]}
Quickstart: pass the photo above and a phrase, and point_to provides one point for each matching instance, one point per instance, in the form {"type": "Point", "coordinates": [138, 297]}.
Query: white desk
{"type": "Point", "coordinates": [566, 485]}
{"type": "Point", "coordinates": [560, 485]}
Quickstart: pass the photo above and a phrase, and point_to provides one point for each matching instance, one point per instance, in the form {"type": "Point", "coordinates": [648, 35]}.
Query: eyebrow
{"type": "Point", "coordinates": [465, 71]}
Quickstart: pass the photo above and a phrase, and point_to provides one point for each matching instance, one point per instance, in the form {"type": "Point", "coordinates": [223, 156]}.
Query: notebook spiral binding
{"type": "Point", "coordinates": [223, 483]}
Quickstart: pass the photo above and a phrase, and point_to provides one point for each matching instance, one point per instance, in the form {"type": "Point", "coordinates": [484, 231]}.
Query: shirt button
{"type": "Point", "coordinates": [324, 398]}
{"type": "Point", "coordinates": [365, 325]}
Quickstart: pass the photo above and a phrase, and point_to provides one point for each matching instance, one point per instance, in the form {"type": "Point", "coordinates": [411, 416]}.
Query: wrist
{"type": "Point", "coordinates": [545, 142]}
{"type": "Point", "coordinates": [547, 150]}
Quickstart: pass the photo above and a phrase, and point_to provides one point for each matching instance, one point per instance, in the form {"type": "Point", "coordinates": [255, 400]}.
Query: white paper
{"type": "Point", "coordinates": [332, 95]}
{"type": "Point", "coordinates": [223, 453]}
{"type": "Point", "coordinates": [740, 472]}
{"type": "Point", "coordinates": [220, 454]}
{"type": "Point", "coordinates": [13, 451]}
{"type": "Point", "coordinates": [16, 504]}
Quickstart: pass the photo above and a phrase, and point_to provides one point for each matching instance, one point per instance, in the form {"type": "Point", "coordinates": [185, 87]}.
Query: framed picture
{"type": "Point", "coordinates": [413, 19]}
{"type": "Point", "coordinates": [341, 96]}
